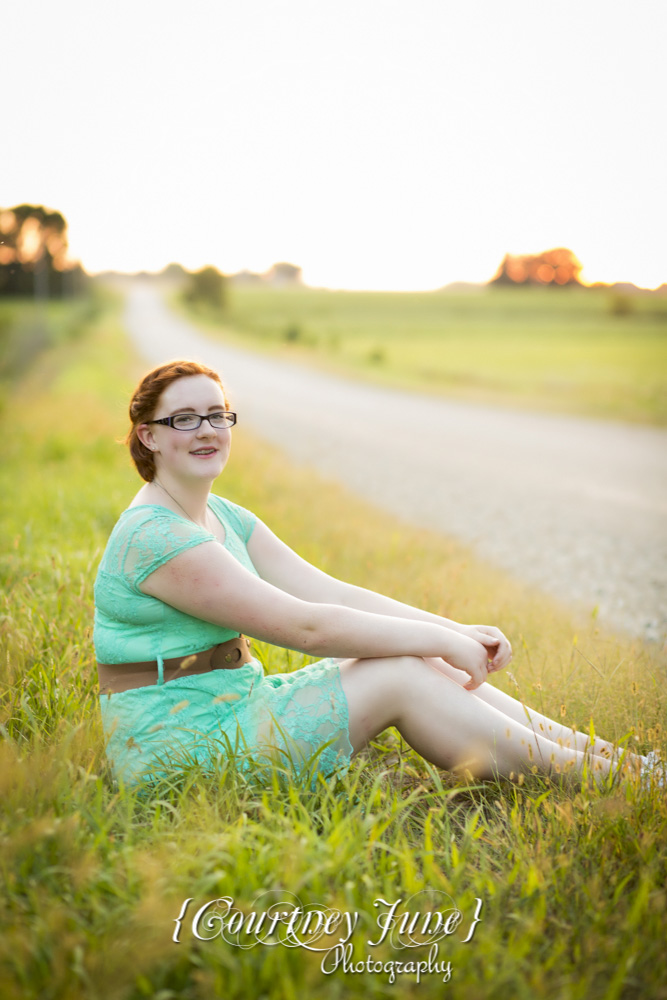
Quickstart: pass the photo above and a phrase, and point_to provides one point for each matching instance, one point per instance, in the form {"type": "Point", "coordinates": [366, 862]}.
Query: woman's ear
{"type": "Point", "coordinates": [145, 435]}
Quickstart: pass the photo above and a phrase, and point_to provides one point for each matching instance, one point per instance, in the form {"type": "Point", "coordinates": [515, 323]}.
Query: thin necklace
{"type": "Point", "coordinates": [158, 483]}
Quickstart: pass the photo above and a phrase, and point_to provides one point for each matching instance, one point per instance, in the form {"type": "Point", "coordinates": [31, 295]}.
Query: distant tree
{"type": "Point", "coordinates": [33, 253]}
{"type": "Point", "coordinates": [552, 267]}
{"type": "Point", "coordinates": [174, 273]}
{"type": "Point", "coordinates": [207, 286]}
{"type": "Point", "coordinates": [246, 277]}
{"type": "Point", "coordinates": [284, 274]}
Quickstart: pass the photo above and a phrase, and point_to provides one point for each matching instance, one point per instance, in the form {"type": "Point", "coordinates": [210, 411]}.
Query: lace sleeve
{"type": "Point", "coordinates": [147, 538]}
{"type": "Point", "coordinates": [243, 520]}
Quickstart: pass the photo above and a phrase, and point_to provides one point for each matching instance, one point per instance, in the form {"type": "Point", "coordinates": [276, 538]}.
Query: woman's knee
{"type": "Point", "coordinates": [387, 675]}
{"type": "Point", "coordinates": [376, 691]}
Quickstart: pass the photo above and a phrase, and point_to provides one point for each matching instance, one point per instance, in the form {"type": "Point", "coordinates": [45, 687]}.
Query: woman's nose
{"type": "Point", "coordinates": [205, 429]}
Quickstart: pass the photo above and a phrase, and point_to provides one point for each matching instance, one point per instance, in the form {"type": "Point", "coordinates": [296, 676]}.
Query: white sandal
{"type": "Point", "coordinates": [653, 770]}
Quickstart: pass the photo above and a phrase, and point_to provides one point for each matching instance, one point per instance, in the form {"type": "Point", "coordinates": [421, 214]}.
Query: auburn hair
{"type": "Point", "coordinates": [144, 403]}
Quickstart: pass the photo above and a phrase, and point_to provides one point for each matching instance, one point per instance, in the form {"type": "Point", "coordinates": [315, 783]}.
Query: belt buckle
{"type": "Point", "coordinates": [225, 661]}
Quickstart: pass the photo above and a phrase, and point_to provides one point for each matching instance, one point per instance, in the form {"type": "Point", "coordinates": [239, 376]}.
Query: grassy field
{"type": "Point", "coordinates": [28, 328]}
{"type": "Point", "coordinates": [571, 882]}
{"type": "Point", "coordinates": [590, 352]}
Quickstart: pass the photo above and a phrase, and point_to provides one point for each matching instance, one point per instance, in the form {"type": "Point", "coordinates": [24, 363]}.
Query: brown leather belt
{"type": "Point", "coordinates": [117, 677]}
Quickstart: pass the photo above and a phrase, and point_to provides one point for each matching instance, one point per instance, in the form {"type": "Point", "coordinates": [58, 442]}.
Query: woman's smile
{"type": "Point", "coordinates": [209, 445]}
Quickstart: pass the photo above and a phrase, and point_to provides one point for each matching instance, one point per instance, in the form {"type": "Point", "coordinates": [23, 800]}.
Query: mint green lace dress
{"type": "Point", "coordinates": [303, 714]}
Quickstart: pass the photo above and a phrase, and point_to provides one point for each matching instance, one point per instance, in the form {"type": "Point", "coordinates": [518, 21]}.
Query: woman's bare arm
{"type": "Point", "coordinates": [207, 582]}
{"type": "Point", "coordinates": [277, 563]}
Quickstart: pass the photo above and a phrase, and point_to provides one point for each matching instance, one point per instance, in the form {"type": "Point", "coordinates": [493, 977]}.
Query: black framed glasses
{"type": "Point", "coordinates": [191, 421]}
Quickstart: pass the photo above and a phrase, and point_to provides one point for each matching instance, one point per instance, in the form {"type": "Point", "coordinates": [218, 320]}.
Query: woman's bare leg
{"type": "Point", "coordinates": [535, 720]}
{"type": "Point", "coordinates": [449, 726]}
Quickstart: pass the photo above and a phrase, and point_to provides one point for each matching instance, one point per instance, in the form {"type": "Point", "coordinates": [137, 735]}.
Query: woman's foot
{"type": "Point", "coordinates": [653, 770]}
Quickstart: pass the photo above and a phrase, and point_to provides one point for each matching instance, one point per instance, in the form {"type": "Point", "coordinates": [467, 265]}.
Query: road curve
{"type": "Point", "coordinates": [575, 506]}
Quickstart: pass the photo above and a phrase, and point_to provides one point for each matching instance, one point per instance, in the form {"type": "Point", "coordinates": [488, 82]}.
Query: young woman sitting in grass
{"type": "Point", "coordinates": [186, 574]}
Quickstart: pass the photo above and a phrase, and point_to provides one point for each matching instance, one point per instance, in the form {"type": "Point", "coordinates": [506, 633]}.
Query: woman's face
{"type": "Point", "coordinates": [198, 454]}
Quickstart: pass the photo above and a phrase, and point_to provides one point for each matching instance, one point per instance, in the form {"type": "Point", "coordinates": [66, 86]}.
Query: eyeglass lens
{"type": "Point", "coordinates": [190, 421]}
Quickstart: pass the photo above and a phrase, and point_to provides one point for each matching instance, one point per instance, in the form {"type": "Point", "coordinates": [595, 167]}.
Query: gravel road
{"type": "Point", "coordinates": [578, 507]}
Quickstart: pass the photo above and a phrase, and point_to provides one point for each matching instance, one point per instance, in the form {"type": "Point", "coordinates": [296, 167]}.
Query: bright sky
{"type": "Point", "coordinates": [376, 143]}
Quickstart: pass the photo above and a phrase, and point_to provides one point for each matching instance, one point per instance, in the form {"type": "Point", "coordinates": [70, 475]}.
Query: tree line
{"type": "Point", "coordinates": [558, 267]}
{"type": "Point", "coordinates": [33, 254]}
{"type": "Point", "coordinates": [34, 263]}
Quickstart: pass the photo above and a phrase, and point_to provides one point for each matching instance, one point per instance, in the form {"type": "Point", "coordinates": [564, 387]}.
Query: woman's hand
{"type": "Point", "coordinates": [468, 654]}
{"type": "Point", "coordinates": [498, 649]}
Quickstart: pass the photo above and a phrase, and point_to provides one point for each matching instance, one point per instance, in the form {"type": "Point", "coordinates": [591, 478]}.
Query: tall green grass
{"type": "Point", "coordinates": [581, 351]}
{"type": "Point", "coordinates": [572, 882]}
{"type": "Point", "coordinates": [28, 328]}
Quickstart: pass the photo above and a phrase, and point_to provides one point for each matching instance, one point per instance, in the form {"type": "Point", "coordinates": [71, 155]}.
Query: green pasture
{"type": "Point", "coordinates": [583, 351]}
{"type": "Point", "coordinates": [571, 880]}
{"type": "Point", "coordinates": [28, 328]}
